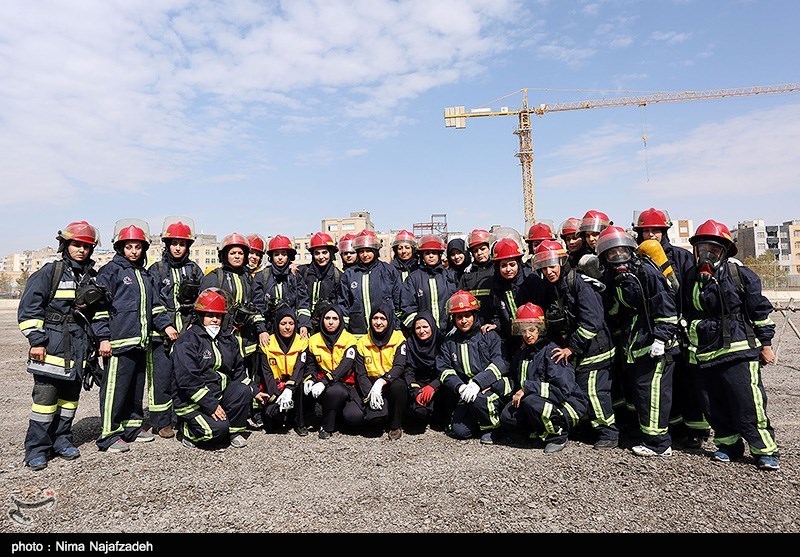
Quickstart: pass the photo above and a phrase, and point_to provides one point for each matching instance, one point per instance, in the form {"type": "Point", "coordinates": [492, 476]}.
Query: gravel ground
{"type": "Point", "coordinates": [421, 483]}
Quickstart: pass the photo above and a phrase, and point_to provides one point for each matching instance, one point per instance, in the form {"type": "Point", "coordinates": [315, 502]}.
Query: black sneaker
{"type": "Point", "coordinates": [325, 434]}
{"type": "Point", "coordinates": [301, 430]}
{"type": "Point", "coordinates": [606, 444]}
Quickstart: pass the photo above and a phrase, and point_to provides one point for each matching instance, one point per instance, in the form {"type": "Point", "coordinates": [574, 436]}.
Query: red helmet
{"type": "Point", "coordinates": [612, 237]}
{"type": "Point", "coordinates": [652, 218]}
{"type": "Point", "coordinates": [404, 237]}
{"type": "Point", "coordinates": [178, 231]}
{"type": "Point", "coordinates": [282, 242]}
{"type": "Point", "coordinates": [530, 313]}
{"type": "Point", "coordinates": [538, 232]}
{"type": "Point", "coordinates": [462, 302]}
{"type": "Point", "coordinates": [210, 300]}
{"type": "Point", "coordinates": [549, 253]}
{"type": "Point", "coordinates": [431, 242]}
{"type": "Point", "coordinates": [130, 233]}
{"type": "Point", "coordinates": [594, 221]}
{"type": "Point", "coordinates": [322, 240]}
{"type": "Point", "coordinates": [716, 232]}
{"type": "Point", "coordinates": [346, 244]}
{"type": "Point", "coordinates": [569, 227]}
{"type": "Point", "coordinates": [478, 237]}
{"type": "Point", "coordinates": [506, 249]}
{"type": "Point", "coordinates": [257, 243]}
{"type": "Point", "coordinates": [80, 231]}
{"type": "Point", "coordinates": [366, 239]}
{"type": "Point", "coordinates": [235, 239]}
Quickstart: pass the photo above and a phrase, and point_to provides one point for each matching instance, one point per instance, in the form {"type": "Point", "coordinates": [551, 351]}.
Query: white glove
{"type": "Point", "coordinates": [285, 401]}
{"type": "Point", "coordinates": [376, 394]}
{"type": "Point", "coordinates": [317, 389]}
{"type": "Point", "coordinates": [470, 392]}
{"type": "Point", "coordinates": [308, 386]}
{"type": "Point", "coordinates": [657, 350]}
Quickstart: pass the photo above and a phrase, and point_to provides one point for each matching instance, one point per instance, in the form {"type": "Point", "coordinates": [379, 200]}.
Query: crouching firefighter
{"type": "Point", "coordinates": [54, 314]}
{"type": "Point", "coordinates": [730, 336]}
{"type": "Point", "coordinates": [213, 391]}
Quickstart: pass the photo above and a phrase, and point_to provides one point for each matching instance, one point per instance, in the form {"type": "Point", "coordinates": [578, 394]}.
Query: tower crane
{"type": "Point", "coordinates": [456, 117]}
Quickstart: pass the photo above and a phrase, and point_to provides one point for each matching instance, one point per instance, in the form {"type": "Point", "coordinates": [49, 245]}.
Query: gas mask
{"type": "Point", "coordinates": [619, 259]}
{"type": "Point", "coordinates": [709, 256]}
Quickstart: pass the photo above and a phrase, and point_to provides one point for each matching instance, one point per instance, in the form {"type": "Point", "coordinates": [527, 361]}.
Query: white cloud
{"type": "Point", "coordinates": [670, 37]}
{"type": "Point", "coordinates": [568, 55]}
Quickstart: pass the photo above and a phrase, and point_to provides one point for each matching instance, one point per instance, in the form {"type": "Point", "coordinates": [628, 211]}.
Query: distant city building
{"type": "Point", "coordinates": [754, 238]}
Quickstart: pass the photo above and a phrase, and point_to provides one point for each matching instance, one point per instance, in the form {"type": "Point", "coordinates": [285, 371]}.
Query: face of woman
{"type": "Point", "coordinates": [78, 251]}
{"type": "Point", "coordinates": [457, 257]}
{"type": "Point", "coordinates": [178, 248]}
{"type": "Point", "coordinates": [530, 335]}
{"type": "Point", "coordinates": [591, 239]}
{"type": "Point", "coordinates": [573, 241]}
{"type": "Point", "coordinates": [404, 251]}
{"type": "Point", "coordinates": [431, 258]}
{"type": "Point", "coordinates": [379, 322]}
{"type": "Point", "coordinates": [286, 327]}
{"type": "Point", "coordinates": [280, 257]}
{"type": "Point", "coordinates": [465, 321]}
{"type": "Point", "coordinates": [212, 319]}
{"type": "Point", "coordinates": [321, 256]}
{"type": "Point", "coordinates": [552, 273]}
{"type": "Point", "coordinates": [236, 257]}
{"type": "Point", "coordinates": [349, 257]}
{"type": "Point", "coordinates": [331, 321]}
{"type": "Point", "coordinates": [133, 251]}
{"type": "Point", "coordinates": [652, 234]}
{"type": "Point", "coordinates": [422, 330]}
{"type": "Point", "coordinates": [366, 256]}
{"type": "Point", "coordinates": [481, 253]}
{"type": "Point", "coordinates": [254, 258]}
{"type": "Point", "coordinates": [509, 268]}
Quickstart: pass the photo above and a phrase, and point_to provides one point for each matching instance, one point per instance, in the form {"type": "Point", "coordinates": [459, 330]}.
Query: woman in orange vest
{"type": "Point", "coordinates": [282, 370]}
{"type": "Point", "coordinates": [380, 363]}
{"type": "Point", "coordinates": [330, 377]}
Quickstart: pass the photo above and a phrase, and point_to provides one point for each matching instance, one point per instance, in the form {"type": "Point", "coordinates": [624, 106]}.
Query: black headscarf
{"type": "Point", "coordinates": [382, 338]}
{"type": "Point", "coordinates": [170, 259]}
{"type": "Point", "coordinates": [280, 313]}
{"type": "Point", "coordinates": [461, 246]}
{"type": "Point", "coordinates": [330, 338]}
{"type": "Point", "coordinates": [422, 353]}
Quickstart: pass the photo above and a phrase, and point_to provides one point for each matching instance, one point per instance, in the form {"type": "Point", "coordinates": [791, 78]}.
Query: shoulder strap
{"type": "Point", "coordinates": [220, 277]}
{"type": "Point", "coordinates": [736, 276]}
{"type": "Point", "coordinates": [571, 279]}
{"type": "Point", "coordinates": [58, 270]}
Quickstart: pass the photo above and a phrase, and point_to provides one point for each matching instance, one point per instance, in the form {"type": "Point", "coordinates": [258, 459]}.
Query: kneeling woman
{"type": "Point", "coordinates": [282, 371]}
{"type": "Point", "coordinates": [547, 402]}
{"type": "Point", "coordinates": [330, 377]}
{"type": "Point", "coordinates": [213, 391]}
{"type": "Point", "coordinates": [380, 363]}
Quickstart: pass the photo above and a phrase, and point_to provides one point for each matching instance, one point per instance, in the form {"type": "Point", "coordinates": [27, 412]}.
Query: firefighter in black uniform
{"type": "Point", "coordinates": [347, 251]}
{"type": "Point", "coordinates": [429, 286]}
{"type": "Point", "coordinates": [177, 280]}
{"type": "Point", "coordinates": [281, 286]}
{"type": "Point", "coordinates": [255, 259]}
{"type": "Point", "coordinates": [687, 403]}
{"type": "Point", "coordinates": [478, 279]}
{"type": "Point", "coordinates": [125, 338]}
{"type": "Point", "coordinates": [730, 332]}
{"type": "Point", "coordinates": [651, 322]}
{"type": "Point", "coordinates": [404, 249]}
{"type": "Point", "coordinates": [54, 314]}
{"type": "Point", "coordinates": [212, 388]}
{"type": "Point", "coordinates": [321, 277]}
{"type": "Point", "coordinates": [576, 324]}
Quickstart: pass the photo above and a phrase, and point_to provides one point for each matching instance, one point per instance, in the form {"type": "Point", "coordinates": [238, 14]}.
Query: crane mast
{"type": "Point", "coordinates": [456, 117]}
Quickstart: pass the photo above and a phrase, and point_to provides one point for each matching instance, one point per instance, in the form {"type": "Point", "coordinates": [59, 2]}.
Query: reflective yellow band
{"type": "Point", "coordinates": [199, 394]}
{"type": "Point", "coordinates": [586, 333]}
{"type": "Point", "coordinates": [31, 323]}
{"type": "Point", "coordinates": [64, 295]}
{"type": "Point", "coordinates": [68, 404]}
{"type": "Point", "coordinates": [42, 409]}
{"type": "Point", "coordinates": [735, 347]}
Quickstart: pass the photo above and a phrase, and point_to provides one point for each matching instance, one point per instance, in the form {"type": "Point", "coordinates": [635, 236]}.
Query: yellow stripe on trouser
{"type": "Point", "coordinates": [151, 390]}
{"type": "Point", "coordinates": [491, 409]}
{"type": "Point", "coordinates": [67, 408]}
{"type": "Point", "coordinates": [655, 402]}
{"type": "Point", "coordinates": [108, 406]}
{"type": "Point", "coordinates": [761, 414]}
{"type": "Point", "coordinates": [44, 409]}
{"type": "Point", "coordinates": [547, 411]}
{"type": "Point", "coordinates": [201, 421]}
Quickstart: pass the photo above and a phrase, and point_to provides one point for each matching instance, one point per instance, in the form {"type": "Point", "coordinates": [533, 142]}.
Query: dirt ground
{"type": "Point", "coordinates": [421, 483]}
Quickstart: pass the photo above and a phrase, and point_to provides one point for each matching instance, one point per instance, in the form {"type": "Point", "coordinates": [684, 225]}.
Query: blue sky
{"type": "Point", "coordinates": [269, 116]}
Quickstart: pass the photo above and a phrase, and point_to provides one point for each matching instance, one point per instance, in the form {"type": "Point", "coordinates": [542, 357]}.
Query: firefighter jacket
{"type": "Point", "coordinates": [427, 289]}
{"type": "Point", "coordinates": [46, 318]}
{"type": "Point", "coordinates": [242, 291]}
{"type": "Point", "coordinates": [168, 276]}
{"type": "Point", "coordinates": [405, 268]}
{"type": "Point", "coordinates": [321, 286]}
{"type": "Point", "coordinates": [279, 287]}
{"type": "Point", "coordinates": [576, 320]}
{"type": "Point", "coordinates": [682, 261]}
{"type": "Point", "coordinates": [331, 365]}
{"type": "Point", "coordinates": [136, 307]}
{"type": "Point", "coordinates": [508, 295]}
{"type": "Point", "coordinates": [478, 282]}
{"type": "Point", "coordinates": [204, 367]}
{"type": "Point", "coordinates": [373, 362]}
{"type": "Point", "coordinates": [365, 287]}
{"type": "Point", "coordinates": [536, 373]}
{"type": "Point", "coordinates": [647, 307]}
{"type": "Point", "coordinates": [473, 356]}
{"type": "Point", "coordinates": [284, 369]}
{"type": "Point", "coordinates": [727, 323]}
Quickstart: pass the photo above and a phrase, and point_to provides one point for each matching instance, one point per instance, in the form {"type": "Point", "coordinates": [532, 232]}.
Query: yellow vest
{"type": "Point", "coordinates": [378, 361]}
{"type": "Point", "coordinates": [328, 360]}
{"type": "Point", "coordinates": [282, 365]}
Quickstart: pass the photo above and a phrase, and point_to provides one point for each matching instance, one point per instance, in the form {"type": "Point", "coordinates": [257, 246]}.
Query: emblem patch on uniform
{"type": "Point", "coordinates": [319, 358]}
{"type": "Point", "coordinates": [127, 280]}
{"type": "Point", "coordinates": [273, 362]}
{"type": "Point", "coordinates": [354, 285]}
{"type": "Point", "coordinates": [351, 353]}
{"type": "Point", "coordinates": [503, 306]}
{"type": "Point", "coordinates": [420, 293]}
{"type": "Point", "coordinates": [368, 359]}
{"type": "Point", "coordinates": [455, 358]}
{"type": "Point", "coordinates": [403, 350]}
{"type": "Point", "coordinates": [207, 355]}
{"type": "Point", "coordinates": [166, 281]}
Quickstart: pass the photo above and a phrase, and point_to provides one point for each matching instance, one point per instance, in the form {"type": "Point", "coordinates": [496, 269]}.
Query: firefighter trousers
{"type": "Point", "coordinates": [477, 417]}
{"type": "Point", "coordinates": [340, 402]}
{"type": "Point", "coordinates": [52, 412]}
{"type": "Point", "coordinates": [201, 428]}
{"type": "Point", "coordinates": [595, 384]}
{"type": "Point", "coordinates": [651, 382]}
{"type": "Point", "coordinates": [540, 417]}
{"type": "Point", "coordinates": [688, 399]}
{"type": "Point", "coordinates": [395, 400]}
{"type": "Point", "coordinates": [121, 393]}
{"type": "Point", "coordinates": [160, 377]}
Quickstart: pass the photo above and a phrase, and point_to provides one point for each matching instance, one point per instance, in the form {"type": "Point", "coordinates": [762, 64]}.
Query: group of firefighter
{"type": "Point", "coordinates": [602, 331]}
